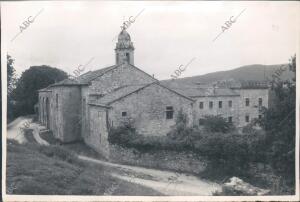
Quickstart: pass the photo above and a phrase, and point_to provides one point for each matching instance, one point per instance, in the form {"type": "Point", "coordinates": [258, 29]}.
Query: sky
{"type": "Point", "coordinates": [66, 34]}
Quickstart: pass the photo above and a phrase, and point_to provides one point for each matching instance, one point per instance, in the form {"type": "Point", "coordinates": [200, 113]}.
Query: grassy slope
{"type": "Point", "coordinates": [33, 169]}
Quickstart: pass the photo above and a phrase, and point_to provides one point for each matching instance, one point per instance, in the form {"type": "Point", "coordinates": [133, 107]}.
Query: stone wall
{"type": "Point", "coordinates": [71, 100]}
{"type": "Point", "coordinates": [253, 109]}
{"type": "Point", "coordinates": [97, 138]}
{"type": "Point", "coordinates": [226, 111]}
{"type": "Point", "coordinates": [147, 109]}
{"type": "Point", "coordinates": [84, 111]}
{"type": "Point", "coordinates": [120, 76]}
{"type": "Point", "coordinates": [168, 160]}
{"type": "Point", "coordinates": [64, 112]}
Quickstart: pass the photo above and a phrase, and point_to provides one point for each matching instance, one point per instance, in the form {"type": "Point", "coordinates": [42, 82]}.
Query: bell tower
{"type": "Point", "coordinates": [124, 48]}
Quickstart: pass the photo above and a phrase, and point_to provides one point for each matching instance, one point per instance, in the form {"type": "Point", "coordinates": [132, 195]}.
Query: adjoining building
{"type": "Point", "coordinates": [86, 108]}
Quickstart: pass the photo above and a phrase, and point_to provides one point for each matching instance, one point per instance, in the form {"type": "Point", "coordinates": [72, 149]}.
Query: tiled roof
{"type": "Point", "coordinates": [45, 89]}
{"type": "Point", "coordinates": [254, 84]}
{"type": "Point", "coordinates": [84, 78]}
{"type": "Point", "coordinates": [66, 82]}
{"type": "Point", "coordinates": [87, 77]}
{"type": "Point", "coordinates": [119, 93]}
{"type": "Point", "coordinates": [202, 92]}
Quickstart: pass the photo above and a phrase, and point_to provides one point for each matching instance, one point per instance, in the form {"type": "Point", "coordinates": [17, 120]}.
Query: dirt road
{"type": "Point", "coordinates": [15, 130]}
{"type": "Point", "coordinates": [166, 182]}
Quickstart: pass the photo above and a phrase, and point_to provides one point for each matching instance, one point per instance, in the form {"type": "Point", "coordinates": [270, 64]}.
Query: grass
{"type": "Point", "coordinates": [78, 147]}
{"type": "Point", "coordinates": [53, 170]}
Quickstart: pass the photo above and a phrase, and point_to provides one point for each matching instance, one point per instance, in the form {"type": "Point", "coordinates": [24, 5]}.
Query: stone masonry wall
{"type": "Point", "coordinates": [71, 100]}
{"type": "Point", "coordinates": [253, 109]}
{"type": "Point", "coordinates": [120, 76]}
{"type": "Point", "coordinates": [169, 160]}
{"type": "Point", "coordinates": [226, 111]}
{"type": "Point", "coordinates": [64, 112]}
{"type": "Point", "coordinates": [147, 109]}
{"type": "Point", "coordinates": [98, 136]}
{"type": "Point", "coordinates": [84, 111]}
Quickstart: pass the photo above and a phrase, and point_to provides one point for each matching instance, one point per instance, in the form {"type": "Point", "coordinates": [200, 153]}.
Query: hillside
{"type": "Point", "coordinates": [250, 72]}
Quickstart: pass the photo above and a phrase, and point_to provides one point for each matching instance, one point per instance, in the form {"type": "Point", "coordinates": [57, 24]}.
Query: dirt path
{"type": "Point", "coordinates": [14, 130]}
{"type": "Point", "coordinates": [166, 182]}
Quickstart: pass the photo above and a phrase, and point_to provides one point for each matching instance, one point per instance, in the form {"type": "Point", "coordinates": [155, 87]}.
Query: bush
{"type": "Point", "coordinates": [216, 124]}
{"type": "Point", "coordinates": [231, 151]}
{"type": "Point", "coordinates": [122, 135]}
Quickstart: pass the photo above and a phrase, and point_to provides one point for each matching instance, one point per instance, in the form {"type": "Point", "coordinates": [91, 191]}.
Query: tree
{"type": "Point", "coordinates": [216, 124]}
{"type": "Point", "coordinates": [279, 123]}
{"type": "Point", "coordinates": [35, 78]}
{"type": "Point", "coordinates": [11, 75]}
{"type": "Point", "coordinates": [11, 84]}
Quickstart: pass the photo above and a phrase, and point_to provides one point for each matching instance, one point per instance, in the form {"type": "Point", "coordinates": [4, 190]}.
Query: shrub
{"type": "Point", "coordinates": [231, 151]}
{"type": "Point", "coordinates": [122, 135]}
{"type": "Point", "coordinates": [180, 130]}
{"type": "Point", "coordinates": [216, 124]}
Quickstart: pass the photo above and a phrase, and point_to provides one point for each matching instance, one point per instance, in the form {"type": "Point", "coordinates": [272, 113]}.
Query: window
{"type": "Point", "coordinates": [211, 104]}
{"type": "Point", "coordinates": [201, 105]}
{"type": "Point", "coordinates": [127, 57]}
{"type": "Point", "coordinates": [56, 100]}
{"type": "Point", "coordinates": [220, 104]}
{"type": "Point", "coordinates": [230, 103]}
{"type": "Point", "coordinates": [124, 113]}
{"type": "Point", "coordinates": [259, 116]}
{"type": "Point", "coordinates": [169, 112]}
{"type": "Point", "coordinates": [247, 118]}
{"type": "Point", "coordinates": [260, 102]}
{"type": "Point", "coordinates": [247, 102]}
{"type": "Point", "coordinates": [230, 119]}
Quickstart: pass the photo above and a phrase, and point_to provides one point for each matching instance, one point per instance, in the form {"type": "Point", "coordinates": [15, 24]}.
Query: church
{"type": "Point", "coordinates": [86, 108]}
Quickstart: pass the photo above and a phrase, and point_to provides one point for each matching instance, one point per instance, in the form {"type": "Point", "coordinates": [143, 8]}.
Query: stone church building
{"type": "Point", "coordinates": [86, 107]}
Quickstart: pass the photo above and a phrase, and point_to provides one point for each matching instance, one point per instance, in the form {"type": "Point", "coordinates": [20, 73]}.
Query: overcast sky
{"type": "Point", "coordinates": [165, 35]}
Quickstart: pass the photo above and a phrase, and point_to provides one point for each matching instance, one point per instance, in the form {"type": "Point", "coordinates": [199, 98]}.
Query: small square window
{"type": "Point", "coordinates": [220, 104]}
{"type": "Point", "coordinates": [124, 113]}
{"type": "Point", "coordinates": [211, 104]}
{"type": "Point", "coordinates": [230, 119]}
{"type": "Point", "coordinates": [259, 116]}
{"type": "Point", "coordinates": [169, 112]}
{"type": "Point", "coordinates": [230, 103]}
{"type": "Point", "coordinates": [260, 102]}
{"type": "Point", "coordinates": [201, 105]}
{"type": "Point", "coordinates": [247, 102]}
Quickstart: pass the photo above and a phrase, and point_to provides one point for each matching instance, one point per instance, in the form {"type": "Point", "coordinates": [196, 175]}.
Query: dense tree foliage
{"type": "Point", "coordinates": [11, 82]}
{"type": "Point", "coordinates": [216, 124]}
{"type": "Point", "coordinates": [25, 95]}
{"type": "Point", "coordinates": [11, 75]}
{"type": "Point", "coordinates": [279, 121]}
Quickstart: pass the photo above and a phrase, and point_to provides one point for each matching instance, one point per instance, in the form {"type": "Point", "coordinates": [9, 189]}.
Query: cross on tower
{"type": "Point", "coordinates": [124, 26]}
